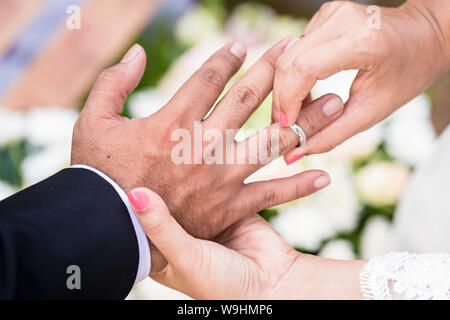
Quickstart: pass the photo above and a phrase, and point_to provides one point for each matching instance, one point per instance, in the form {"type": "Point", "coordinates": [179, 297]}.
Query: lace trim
{"type": "Point", "coordinates": [406, 276]}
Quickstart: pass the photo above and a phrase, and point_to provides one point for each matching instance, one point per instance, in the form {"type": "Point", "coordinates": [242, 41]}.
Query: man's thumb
{"type": "Point", "coordinates": [159, 225]}
{"type": "Point", "coordinates": [112, 86]}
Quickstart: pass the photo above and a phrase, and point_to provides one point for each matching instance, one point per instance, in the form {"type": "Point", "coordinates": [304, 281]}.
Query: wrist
{"type": "Point", "coordinates": [314, 277]}
{"type": "Point", "coordinates": [434, 18]}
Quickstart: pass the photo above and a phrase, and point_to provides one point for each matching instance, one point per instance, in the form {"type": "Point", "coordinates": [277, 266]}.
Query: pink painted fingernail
{"type": "Point", "coordinates": [139, 199]}
{"type": "Point", "coordinates": [283, 120]}
{"type": "Point", "coordinates": [238, 50]}
{"type": "Point", "coordinates": [322, 182]}
{"type": "Point", "coordinates": [294, 159]}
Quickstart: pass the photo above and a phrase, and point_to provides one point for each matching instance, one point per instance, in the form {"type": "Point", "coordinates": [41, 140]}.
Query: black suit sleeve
{"type": "Point", "coordinates": [72, 218]}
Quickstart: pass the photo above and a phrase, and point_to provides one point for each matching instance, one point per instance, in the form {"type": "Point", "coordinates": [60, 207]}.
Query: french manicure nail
{"type": "Point", "coordinates": [294, 159]}
{"type": "Point", "coordinates": [238, 50]}
{"type": "Point", "coordinates": [332, 107]}
{"type": "Point", "coordinates": [283, 120]}
{"type": "Point", "coordinates": [131, 54]}
{"type": "Point", "coordinates": [139, 200]}
{"type": "Point", "coordinates": [322, 182]}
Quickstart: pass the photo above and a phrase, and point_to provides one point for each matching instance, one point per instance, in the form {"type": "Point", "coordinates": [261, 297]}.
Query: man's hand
{"type": "Point", "coordinates": [249, 260]}
{"type": "Point", "coordinates": [204, 198]}
{"type": "Point", "coordinates": [399, 52]}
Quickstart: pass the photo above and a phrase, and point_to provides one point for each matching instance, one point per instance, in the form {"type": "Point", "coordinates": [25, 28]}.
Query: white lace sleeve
{"type": "Point", "coordinates": [405, 276]}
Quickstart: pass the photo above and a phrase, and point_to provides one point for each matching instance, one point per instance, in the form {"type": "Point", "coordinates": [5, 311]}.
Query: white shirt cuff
{"type": "Point", "coordinates": [144, 249]}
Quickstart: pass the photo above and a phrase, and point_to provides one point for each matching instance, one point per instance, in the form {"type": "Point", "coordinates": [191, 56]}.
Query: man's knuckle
{"type": "Point", "coordinates": [309, 124]}
{"type": "Point", "coordinates": [246, 96]}
{"type": "Point", "coordinates": [251, 205]}
{"type": "Point", "coordinates": [269, 145]}
{"type": "Point", "coordinates": [270, 198]}
{"type": "Point", "coordinates": [299, 191]}
{"type": "Point", "coordinates": [211, 77]}
{"type": "Point", "coordinates": [283, 142]}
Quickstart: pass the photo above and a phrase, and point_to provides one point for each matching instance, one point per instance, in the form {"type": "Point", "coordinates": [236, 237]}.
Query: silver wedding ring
{"type": "Point", "coordinates": [300, 134]}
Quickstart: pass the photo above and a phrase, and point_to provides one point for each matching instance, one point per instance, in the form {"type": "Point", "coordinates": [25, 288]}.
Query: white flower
{"type": "Point", "coordinates": [50, 126]}
{"type": "Point", "coordinates": [359, 146]}
{"type": "Point", "coordinates": [149, 289]}
{"type": "Point", "coordinates": [338, 249]}
{"type": "Point", "coordinates": [12, 126]}
{"type": "Point", "coordinates": [40, 165]}
{"type": "Point", "coordinates": [302, 226]}
{"type": "Point", "coordinates": [410, 135]}
{"type": "Point", "coordinates": [6, 190]}
{"type": "Point", "coordinates": [382, 183]}
{"type": "Point", "coordinates": [250, 23]}
{"type": "Point", "coordinates": [145, 102]}
{"type": "Point", "coordinates": [309, 221]}
{"type": "Point", "coordinates": [338, 202]}
{"type": "Point", "coordinates": [376, 237]}
{"type": "Point", "coordinates": [197, 25]}
{"type": "Point", "coordinates": [339, 83]}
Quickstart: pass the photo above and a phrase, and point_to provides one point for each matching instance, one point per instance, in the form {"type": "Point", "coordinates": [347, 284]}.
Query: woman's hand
{"type": "Point", "coordinates": [397, 60]}
{"type": "Point", "coordinates": [249, 260]}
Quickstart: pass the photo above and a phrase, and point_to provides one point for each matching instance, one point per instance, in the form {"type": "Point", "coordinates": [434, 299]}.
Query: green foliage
{"type": "Point", "coordinates": [216, 7]}
{"type": "Point", "coordinates": [11, 157]}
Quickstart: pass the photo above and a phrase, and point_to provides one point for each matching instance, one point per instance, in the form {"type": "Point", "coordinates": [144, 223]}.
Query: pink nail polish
{"type": "Point", "coordinates": [139, 200]}
{"type": "Point", "coordinates": [283, 120]}
{"type": "Point", "coordinates": [294, 159]}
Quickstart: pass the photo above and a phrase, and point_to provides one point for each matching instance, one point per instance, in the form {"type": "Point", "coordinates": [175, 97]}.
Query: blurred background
{"type": "Point", "coordinates": [52, 50]}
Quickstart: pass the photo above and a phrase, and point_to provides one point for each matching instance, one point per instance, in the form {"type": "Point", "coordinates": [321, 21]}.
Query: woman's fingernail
{"type": "Point", "coordinates": [291, 43]}
{"type": "Point", "coordinates": [131, 54]}
{"type": "Point", "coordinates": [238, 50]}
{"type": "Point", "coordinates": [294, 159]}
{"type": "Point", "coordinates": [283, 120]}
{"type": "Point", "coordinates": [139, 199]}
{"type": "Point", "coordinates": [322, 182]}
{"type": "Point", "coordinates": [332, 107]}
